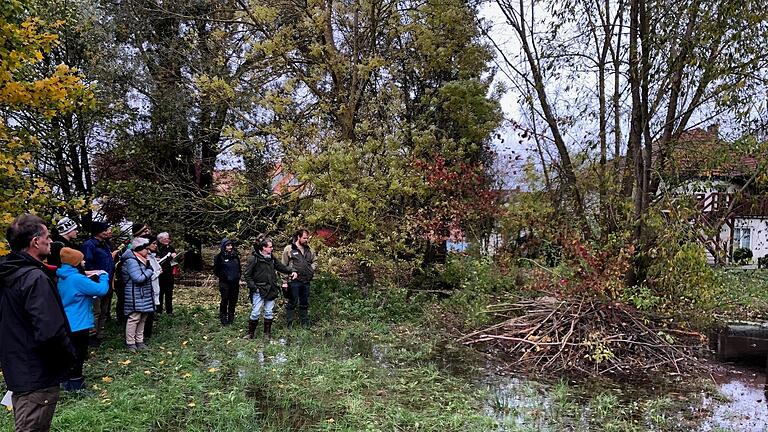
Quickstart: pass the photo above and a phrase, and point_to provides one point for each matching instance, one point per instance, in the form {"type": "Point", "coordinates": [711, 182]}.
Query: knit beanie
{"type": "Point", "coordinates": [66, 225]}
{"type": "Point", "coordinates": [138, 229]}
{"type": "Point", "coordinates": [99, 227]}
{"type": "Point", "coordinates": [71, 256]}
{"type": "Point", "coordinates": [139, 243]}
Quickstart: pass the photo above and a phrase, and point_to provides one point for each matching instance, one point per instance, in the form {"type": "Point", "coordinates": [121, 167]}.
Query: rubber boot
{"type": "Point", "coordinates": [252, 324]}
{"type": "Point", "coordinates": [267, 329]}
{"type": "Point", "coordinates": [304, 317]}
{"type": "Point", "coordinates": [289, 318]}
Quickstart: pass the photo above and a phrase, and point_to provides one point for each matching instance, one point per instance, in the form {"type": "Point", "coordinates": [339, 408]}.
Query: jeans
{"type": "Point", "coordinates": [257, 302]}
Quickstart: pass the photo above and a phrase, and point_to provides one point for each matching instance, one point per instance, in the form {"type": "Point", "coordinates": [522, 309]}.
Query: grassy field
{"type": "Point", "coordinates": [381, 363]}
{"type": "Point", "coordinates": [747, 294]}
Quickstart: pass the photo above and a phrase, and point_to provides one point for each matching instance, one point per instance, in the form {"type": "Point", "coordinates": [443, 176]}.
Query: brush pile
{"type": "Point", "coordinates": [584, 334]}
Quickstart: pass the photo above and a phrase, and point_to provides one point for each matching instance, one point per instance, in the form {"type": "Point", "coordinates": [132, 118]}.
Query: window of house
{"type": "Point", "coordinates": [741, 238]}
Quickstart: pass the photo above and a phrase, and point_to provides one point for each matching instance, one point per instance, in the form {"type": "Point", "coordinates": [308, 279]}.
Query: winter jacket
{"type": "Point", "coordinates": [226, 265]}
{"type": "Point", "coordinates": [98, 256]}
{"type": "Point", "coordinates": [57, 245]}
{"type": "Point", "coordinates": [303, 262]}
{"type": "Point", "coordinates": [77, 291]}
{"type": "Point", "coordinates": [138, 284]}
{"type": "Point", "coordinates": [260, 275]}
{"type": "Point", "coordinates": [35, 350]}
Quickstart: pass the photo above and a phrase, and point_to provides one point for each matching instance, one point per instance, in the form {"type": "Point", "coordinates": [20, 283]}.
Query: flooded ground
{"type": "Point", "coordinates": [734, 402]}
{"type": "Point", "coordinates": [743, 405]}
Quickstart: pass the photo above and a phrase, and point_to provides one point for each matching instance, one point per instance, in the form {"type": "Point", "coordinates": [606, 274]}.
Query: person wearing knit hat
{"type": "Point", "coordinates": [139, 229]}
{"type": "Point", "coordinates": [98, 256]}
{"type": "Point", "coordinates": [67, 232]}
{"type": "Point", "coordinates": [77, 291]}
{"type": "Point", "coordinates": [137, 273]}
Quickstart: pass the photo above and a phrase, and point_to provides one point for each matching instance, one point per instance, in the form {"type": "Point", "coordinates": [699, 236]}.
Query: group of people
{"type": "Point", "coordinates": [297, 263]}
{"type": "Point", "coordinates": [55, 300]}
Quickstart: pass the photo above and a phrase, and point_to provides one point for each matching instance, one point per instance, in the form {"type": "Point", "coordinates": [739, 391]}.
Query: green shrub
{"type": "Point", "coordinates": [742, 255]}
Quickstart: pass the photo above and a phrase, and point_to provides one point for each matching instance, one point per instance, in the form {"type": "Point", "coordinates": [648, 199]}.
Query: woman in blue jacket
{"type": "Point", "coordinates": [139, 299]}
{"type": "Point", "coordinates": [77, 291]}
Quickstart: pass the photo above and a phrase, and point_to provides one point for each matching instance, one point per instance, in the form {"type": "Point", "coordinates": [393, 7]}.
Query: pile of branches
{"type": "Point", "coordinates": [588, 335]}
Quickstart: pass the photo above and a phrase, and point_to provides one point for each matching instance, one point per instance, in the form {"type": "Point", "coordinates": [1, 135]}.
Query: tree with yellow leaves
{"type": "Point", "coordinates": [23, 43]}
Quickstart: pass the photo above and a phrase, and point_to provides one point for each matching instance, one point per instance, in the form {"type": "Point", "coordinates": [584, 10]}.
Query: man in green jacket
{"type": "Point", "coordinates": [299, 256]}
{"type": "Point", "coordinates": [263, 285]}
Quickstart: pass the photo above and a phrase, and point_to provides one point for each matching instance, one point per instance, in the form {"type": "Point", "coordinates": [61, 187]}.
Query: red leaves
{"type": "Point", "coordinates": [459, 194]}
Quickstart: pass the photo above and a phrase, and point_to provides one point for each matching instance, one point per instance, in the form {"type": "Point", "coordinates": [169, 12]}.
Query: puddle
{"type": "Point", "coordinates": [745, 409]}
{"type": "Point", "coordinates": [278, 359]}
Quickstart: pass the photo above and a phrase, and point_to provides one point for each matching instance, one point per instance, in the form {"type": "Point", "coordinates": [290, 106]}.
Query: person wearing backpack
{"type": "Point", "coordinates": [226, 267]}
{"type": "Point", "coordinates": [263, 285]}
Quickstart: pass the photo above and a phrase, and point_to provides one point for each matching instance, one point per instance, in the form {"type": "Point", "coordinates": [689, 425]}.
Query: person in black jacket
{"type": "Point", "coordinates": [67, 233]}
{"type": "Point", "coordinates": [166, 255]}
{"type": "Point", "coordinates": [263, 285]}
{"type": "Point", "coordinates": [226, 267]}
{"type": "Point", "coordinates": [35, 349]}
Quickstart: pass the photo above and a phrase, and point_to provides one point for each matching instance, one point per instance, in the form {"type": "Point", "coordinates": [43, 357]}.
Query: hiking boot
{"type": "Point", "coordinates": [268, 328]}
{"type": "Point", "coordinates": [141, 346]}
{"type": "Point", "coordinates": [289, 318]}
{"type": "Point", "coordinates": [223, 319]}
{"type": "Point", "coordinates": [230, 318]}
{"type": "Point", "coordinates": [252, 324]}
{"type": "Point", "coordinates": [304, 317]}
{"type": "Point", "coordinates": [132, 348]}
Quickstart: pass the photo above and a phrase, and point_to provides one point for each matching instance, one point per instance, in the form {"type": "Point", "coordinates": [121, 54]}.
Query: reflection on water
{"type": "Point", "coordinates": [745, 409]}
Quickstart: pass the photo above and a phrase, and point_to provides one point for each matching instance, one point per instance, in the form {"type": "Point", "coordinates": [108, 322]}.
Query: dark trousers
{"type": "Point", "coordinates": [166, 292]}
{"type": "Point", "coordinates": [149, 325]}
{"type": "Point", "coordinates": [79, 340]}
{"type": "Point", "coordinates": [298, 295]}
{"type": "Point", "coordinates": [33, 411]}
{"type": "Point", "coordinates": [229, 293]}
{"type": "Point", "coordinates": [120, 303]}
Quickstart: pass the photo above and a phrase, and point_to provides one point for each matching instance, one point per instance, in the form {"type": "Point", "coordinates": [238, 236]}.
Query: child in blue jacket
{"type": "Point", "coordinates": [77, 290]}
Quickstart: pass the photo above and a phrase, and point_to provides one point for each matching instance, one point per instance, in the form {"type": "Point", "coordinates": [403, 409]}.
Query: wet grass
{"type": "Point", "coordinates": [380, 363]}
{"type": "Point", "coordinates": [358, 373]}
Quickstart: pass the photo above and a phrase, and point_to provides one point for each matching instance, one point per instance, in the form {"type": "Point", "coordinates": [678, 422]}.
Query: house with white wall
{"type": "Point", "coordinates": [729, 201]}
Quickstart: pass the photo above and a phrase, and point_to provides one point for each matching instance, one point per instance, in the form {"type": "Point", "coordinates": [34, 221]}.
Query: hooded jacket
{"type": "Point", "coordinates": [138, 284]}
{"type": "Point", "coordinates": [77, 291]}
{"type": "Point", "coordinates": [260, 275]}
{"type": "Point", "coordinates": [35, 350]}
{"type": "Point", "coordinates": [226, 265]}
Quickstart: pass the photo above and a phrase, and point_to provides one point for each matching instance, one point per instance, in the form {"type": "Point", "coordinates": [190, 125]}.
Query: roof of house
{"type": "Point", "coordinates": [701, 153]}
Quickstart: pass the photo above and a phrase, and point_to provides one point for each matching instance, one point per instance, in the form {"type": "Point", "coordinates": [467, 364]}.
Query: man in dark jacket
{"type": "Point", "coordinates": [99, 255]}
{"type": "Point", "coordinates": [299, 256]}
{"type": "Point", "coordinates": [67, 233]}
{"type": "Point", "coordinates": [226, 267]}
{"type": "Point", "coordinates": [166, 255]}
{"type": "Point", "coordinates": [263, 285]}
{"type": "Point", "coordinates": [35, 350]}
